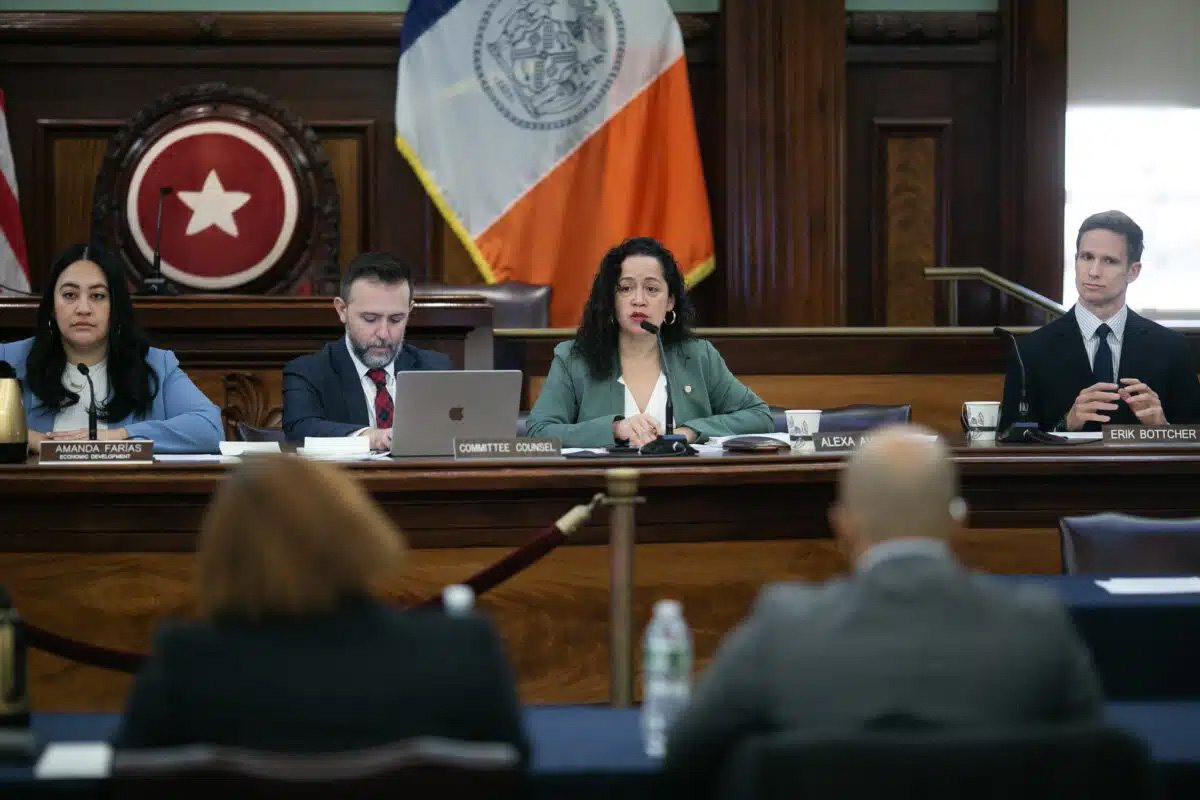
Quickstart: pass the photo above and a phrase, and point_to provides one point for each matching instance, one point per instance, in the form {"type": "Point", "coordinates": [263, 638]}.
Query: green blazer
{"type": "Point", "coordinates": [706, 396]}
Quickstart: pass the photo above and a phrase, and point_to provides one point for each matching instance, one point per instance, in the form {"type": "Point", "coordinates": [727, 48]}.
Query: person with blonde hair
{"type": "Point", "coordinates": [292, 654]}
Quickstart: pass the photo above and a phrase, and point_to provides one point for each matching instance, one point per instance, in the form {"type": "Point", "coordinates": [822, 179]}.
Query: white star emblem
{"type": "Point", "coordinates": [212, 205]}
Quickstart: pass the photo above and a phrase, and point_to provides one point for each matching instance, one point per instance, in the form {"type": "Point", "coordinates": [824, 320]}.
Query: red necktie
{"type": "Point", "coordinates": [383, 399]}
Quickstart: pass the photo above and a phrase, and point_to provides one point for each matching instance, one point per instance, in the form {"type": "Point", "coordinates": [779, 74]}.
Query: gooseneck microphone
{"type": "Point", "coordinates": [85, 372]}
{"type": "Point", "coordinates": [1022, 430]}
{"type": "Point", "coordinates": [155, 283]}
{"type": "Point", "coordinates": [650, 327]}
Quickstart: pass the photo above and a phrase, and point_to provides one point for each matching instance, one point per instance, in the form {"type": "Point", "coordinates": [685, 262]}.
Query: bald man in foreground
{"type": "Point", "coordinates": [911, 634]}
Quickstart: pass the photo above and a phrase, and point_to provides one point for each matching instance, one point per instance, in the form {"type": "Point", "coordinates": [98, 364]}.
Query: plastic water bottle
{"type": "Point", "coordinates": [458, 600]}
{"type": "Point", "coordinates": [667, 674]}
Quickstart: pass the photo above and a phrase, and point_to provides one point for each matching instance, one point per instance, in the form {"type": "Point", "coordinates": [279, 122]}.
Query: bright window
{"type": "Point", "coordinates": [1145, 162]}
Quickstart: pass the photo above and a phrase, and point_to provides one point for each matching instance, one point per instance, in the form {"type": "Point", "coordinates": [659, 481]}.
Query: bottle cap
{"type": "Point", "coordinates": [668, 608]}
{"type": "Point", "coordinates": [458, 599]}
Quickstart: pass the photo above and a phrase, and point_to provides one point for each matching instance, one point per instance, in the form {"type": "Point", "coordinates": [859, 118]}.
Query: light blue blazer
{"type": "Point", "coordinates": [181, 418]}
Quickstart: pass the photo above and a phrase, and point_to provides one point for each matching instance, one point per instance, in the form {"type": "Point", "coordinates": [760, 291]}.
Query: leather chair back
{"type": "Point", "coordinates": [863, 417]}
{"type": "Point", "coordinates": [1037, 763]}
{"type": "Point", "coordinates": [1120, 544]}
{"type": "Point", "coordinates": [418, 769]}
{"type": "Point", "coordinates": [515, 304]}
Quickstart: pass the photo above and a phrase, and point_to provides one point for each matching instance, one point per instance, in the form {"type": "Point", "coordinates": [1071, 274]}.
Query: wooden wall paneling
{"type": "Point", "coordinates": [911, 175]}
{"type": "Point", "coordinates": [784, 89]}
{"type": "Point", "coordinates": [927, 66]}
{"type": "Point", "coordinates": [1033, 62]}
{"type": "Point", "coordinates": [350, 145]}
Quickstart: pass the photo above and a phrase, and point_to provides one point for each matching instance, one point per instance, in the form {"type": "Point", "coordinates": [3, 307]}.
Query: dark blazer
{"type": "Point", "coordinates": [914, 636]}
{"type": "Point", "coordinates": [1058, 370]}
{"type": "Point", "coordinates": [322, 393]}
{"type": "Point", "coordinates": [362, 676]}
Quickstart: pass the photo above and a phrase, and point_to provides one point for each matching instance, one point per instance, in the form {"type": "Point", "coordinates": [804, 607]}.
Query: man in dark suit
{"type": "Point", "coordinates": [911, 636]}
{"type": "Point", "coordinates": [349, 387]}
{"type": "Point", "coordinates": [1101, 362]}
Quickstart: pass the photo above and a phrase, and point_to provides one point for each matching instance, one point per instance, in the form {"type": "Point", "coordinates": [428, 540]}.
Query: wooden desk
{"type": "Point", "coordinates": [103, 554]}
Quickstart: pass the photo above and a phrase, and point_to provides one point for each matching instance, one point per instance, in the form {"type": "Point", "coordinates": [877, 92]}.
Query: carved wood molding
{"type": "Point", "coordinates": [247, 400]}
{"type": "Point", "coordinates": [236, 27]}
{"type": "Point", "coordinates": [921, 27]}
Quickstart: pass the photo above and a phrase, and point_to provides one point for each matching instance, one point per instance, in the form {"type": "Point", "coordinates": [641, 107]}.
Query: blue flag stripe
{"type": "Point", "coordinates": [423, 15]}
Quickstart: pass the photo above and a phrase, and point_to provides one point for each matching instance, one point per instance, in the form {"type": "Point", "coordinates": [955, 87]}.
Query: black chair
{"type": "Point", "coordinates": [1120, 544]}
{"type": "Point", "coordinates": [418, 769]}
{"type": "Point", "coordinates": [863, 417]}
{"type": "Point", "coordinates": [1076, 762]}
{"type": "Point", "coordinates": [251, 433]}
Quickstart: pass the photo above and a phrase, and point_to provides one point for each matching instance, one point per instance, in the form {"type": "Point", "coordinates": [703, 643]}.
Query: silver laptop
{"type": "Point", "coordinates": [433, 408]}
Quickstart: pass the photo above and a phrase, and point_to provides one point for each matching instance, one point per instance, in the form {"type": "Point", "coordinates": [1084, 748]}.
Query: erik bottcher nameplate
{"type": "Point", "coordinates": [1152, 434]}
{"type": "Point", "coordinates": [132, 451]}
{"type": "Point", "coordinates": [522, 447]}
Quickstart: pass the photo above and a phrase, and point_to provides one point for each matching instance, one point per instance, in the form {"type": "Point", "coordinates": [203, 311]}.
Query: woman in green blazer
{"type": "Point", "coordinates": [606, 387]}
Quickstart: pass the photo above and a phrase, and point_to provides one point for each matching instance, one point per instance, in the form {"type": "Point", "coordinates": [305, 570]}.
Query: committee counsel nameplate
{"type": "Point", "coordinates": [132, 451]}
{"type": "Point", "coordinates": [522, 447]}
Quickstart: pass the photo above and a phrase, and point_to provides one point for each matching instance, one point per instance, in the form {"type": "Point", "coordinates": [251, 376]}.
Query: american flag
{"type": "Point", "coordinates": [14, 261]}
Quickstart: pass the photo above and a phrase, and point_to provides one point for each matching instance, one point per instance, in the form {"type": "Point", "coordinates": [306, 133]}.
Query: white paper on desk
{"type": "Point", "coordinates": [74, 760]}
{"type": "Point", "coordinates": [337, 444]}
{"type": "Point", "coordinates": [1188, 585]}
{"type": "Point", "coordinates": [336, 455]}
{"type": "Point", "coordinates": [238, 448]}
{"type": "Point", "coordinates": [566, 451]}
{"type": "Point", "coordinates": [194, 458]}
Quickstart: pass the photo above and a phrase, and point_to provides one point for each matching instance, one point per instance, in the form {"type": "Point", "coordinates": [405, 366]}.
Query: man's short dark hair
{"type": "Point", "coordinates": [381, 267]}
{"type": "Point", "coordinates": [1120, 223]}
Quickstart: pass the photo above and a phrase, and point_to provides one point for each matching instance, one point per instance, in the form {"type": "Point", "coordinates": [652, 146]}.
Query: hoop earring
{"type": "Point", "coordinates": [674, 317]}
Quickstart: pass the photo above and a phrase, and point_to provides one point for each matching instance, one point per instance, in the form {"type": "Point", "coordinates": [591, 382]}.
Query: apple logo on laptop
{"type": "Point", "coordinates": [456, 414]}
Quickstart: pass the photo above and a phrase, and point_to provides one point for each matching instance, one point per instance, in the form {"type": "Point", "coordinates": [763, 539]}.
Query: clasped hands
{"type": "Point", "coordinates": [1101, 397]}
{"type": "Point", "coordinates": [642, 429]}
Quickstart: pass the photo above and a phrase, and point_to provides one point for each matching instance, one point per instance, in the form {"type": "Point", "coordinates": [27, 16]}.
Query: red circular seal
{"type": "Point", "coordinates": [232, 209]}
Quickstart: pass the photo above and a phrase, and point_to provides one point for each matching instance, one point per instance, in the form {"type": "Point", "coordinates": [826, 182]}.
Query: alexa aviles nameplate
{"type": "Point", "coordinates": [1151, 434]}
{"type": "Point", "coordinates": [137, 451]}
{"type": "Point", "coordinates": [522, 447]}
{"type": "Point", "coordinates": [834, 440]}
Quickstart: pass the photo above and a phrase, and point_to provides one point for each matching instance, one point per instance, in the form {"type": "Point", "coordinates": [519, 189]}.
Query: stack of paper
{"type": "Point", "coordinates": [1187, 585]}
{"type": "Point", "coordinates": [337, 448]}
{"type": "Point", "coordinates": [240, 448]}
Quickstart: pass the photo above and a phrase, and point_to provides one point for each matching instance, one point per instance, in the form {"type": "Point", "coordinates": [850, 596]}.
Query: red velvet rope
{"type": "Point", "coordinates": [123, 661]}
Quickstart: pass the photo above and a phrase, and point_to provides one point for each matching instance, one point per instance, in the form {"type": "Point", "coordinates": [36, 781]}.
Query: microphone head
{"type": "Point", "coordinates": [83, 370]}
{"type": "Point", "coordinates": [649, 326]}
{"type": "Point", "coordinates": [998, 331]}
{"type": "Point", "coordinates": [163, 191]}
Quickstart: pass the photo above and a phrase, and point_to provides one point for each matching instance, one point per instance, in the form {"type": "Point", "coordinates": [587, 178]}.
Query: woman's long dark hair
{"type": "Point", "coordinates": [132, 384]}
{"type": "Point", "coordinates": [596, 339]}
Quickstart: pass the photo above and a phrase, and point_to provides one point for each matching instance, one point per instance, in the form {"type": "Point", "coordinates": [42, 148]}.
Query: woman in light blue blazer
{"type": "Point", "coordinates": [86, 318]}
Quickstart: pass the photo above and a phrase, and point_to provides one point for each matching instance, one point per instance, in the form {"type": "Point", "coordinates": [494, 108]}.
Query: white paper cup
{"type": "Point", "coordinates": [980, 418]}
{"type": "Point", "coordinates": [802, 424]}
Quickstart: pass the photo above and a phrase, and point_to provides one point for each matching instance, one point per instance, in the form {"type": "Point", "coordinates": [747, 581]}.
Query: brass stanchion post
{"type": "Point", "coordinates": [622, 496]}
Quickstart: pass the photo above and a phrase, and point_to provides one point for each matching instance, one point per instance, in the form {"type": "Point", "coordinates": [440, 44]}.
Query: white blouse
{"type": "Point", "coordinates": [656, 408]}
{"type": "Point", "coordinates": [75, 416]}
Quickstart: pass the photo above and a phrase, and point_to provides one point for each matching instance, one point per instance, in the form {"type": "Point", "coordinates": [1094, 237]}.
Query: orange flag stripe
{"type": "Point", "coordinates": [637, 175]}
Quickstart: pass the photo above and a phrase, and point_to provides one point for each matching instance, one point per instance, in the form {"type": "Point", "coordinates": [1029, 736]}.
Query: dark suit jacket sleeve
{"type": "Point", "coordinates": [303, 410]}
{"type": "Point", "coordinates": [494, 713]}
{"type": "Point", "coordinates": [432, 360]}
{"type": "Point", "coordinates": [1181, 406]}
{"type": "Point", "coordinates": [726, 706]}
{"type": "Point", "coordinates": [147, 721]}
{"type": "Point", "coordinates": [1079, 695]}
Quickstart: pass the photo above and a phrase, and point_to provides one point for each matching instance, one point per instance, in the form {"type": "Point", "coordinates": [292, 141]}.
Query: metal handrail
{"type": "Point", "coordinates": [1050, 308]}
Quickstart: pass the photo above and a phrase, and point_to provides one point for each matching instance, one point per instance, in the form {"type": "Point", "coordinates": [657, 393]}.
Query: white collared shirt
{"type": "Point", "coordinates": [368, 385]}
{"type": "Point", "coordinates": [1089, 322]}
{"type": "Point", "coordinates": [75, 416]}
{"type": "Point", "coordinates": [656, 408]}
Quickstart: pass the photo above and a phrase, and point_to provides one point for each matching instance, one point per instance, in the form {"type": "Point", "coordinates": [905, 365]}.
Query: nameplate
{"type": "Point", "coordinates": [520, 447]}
{"type": "Point", "coordinates": [833, 441]}
{"type": "Point", "coordinates": [132, 451]}
{"type": "Point", "coordinates": [1151, 434]}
